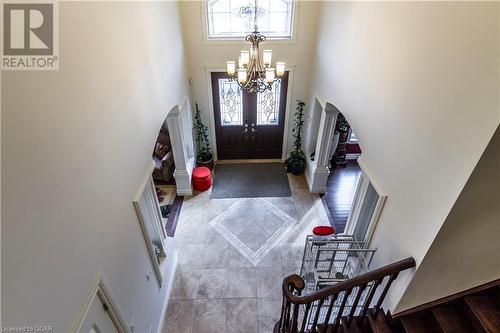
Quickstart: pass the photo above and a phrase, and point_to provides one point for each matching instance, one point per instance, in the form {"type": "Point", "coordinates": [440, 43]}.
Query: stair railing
{"type": "Point", "coordinates": [305, 313]}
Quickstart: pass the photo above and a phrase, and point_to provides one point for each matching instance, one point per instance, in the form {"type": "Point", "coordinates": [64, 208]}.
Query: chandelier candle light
{"type": "Point", "coordinates": [252, 74]}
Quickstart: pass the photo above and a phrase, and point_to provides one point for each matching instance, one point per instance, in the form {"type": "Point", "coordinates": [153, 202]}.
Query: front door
{"type": "Point", "coordinates": [248, 126]}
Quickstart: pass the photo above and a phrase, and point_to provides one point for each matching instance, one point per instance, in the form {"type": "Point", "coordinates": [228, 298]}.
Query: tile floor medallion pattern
{"type": "Point", "coordinates": [216, 287]}
{"type": "Point", "coordinates": [253, 226]}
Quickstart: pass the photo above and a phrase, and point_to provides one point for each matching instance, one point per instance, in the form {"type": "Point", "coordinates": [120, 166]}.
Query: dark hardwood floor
{"type": "Point", "coordinates": [341, 186]}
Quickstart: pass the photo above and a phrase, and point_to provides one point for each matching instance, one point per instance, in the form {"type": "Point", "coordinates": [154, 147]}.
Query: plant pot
{"type": "Point", "coordinates": [206, 163]}
{"type": "Point", "coordinates": [296, 169]}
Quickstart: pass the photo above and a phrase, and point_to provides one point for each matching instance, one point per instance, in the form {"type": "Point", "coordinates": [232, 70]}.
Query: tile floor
{"type": "Point", "coordinates": [217, 288]}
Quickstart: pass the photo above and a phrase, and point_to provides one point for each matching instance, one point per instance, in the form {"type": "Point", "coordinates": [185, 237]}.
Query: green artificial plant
{"type": "Point", "coordinates": [205, 151]}
{"type": "Point", "coordinates": [296, 161]}
{"type": "Point", "coordinates": [342, 124]}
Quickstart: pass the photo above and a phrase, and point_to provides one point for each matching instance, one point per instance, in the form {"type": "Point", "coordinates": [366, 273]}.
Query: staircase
{"type": "Point", "coordinates": [475, 310]}
{"type": "Point", "coordinates": [354, 306]}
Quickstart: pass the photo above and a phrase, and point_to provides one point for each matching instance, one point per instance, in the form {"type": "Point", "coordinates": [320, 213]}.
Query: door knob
{"type": "Point", "coordinates": [253, 128]}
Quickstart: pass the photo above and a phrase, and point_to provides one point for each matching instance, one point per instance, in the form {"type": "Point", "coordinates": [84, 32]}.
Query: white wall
{"type": "Point", "coordinates": [464, 253]}
{"type": "Point", "coordinates": [419, 83]}
{"type": "Point", "coordinates": [203, 55]}
{"type": "Point", "coordinates": [312, 122]}
{"type": "Point", "coordinates": [76, 144]}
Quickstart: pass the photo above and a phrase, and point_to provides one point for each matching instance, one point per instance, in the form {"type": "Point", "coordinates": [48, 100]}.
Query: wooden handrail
{"type": "Point", "coordinates": [293, 285]}
{"type": "Point", "coordinates": [297, 283]}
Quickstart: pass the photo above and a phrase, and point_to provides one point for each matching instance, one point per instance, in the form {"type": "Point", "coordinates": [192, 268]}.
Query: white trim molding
{"type": "Point", "coordinates": [286, 128]}
{"type": "Point", "coordinates": [99, 288]}
{"type": "Point", "coordinates": [171, 269]}
{"type": "Point", "coordinates": [373, 180]}
{"type": "Point", "coordinates": [148, 212]}
{"type": "Point", "coordinates": [209, 71]}
{"type": "Point", "coordinates": [364, 180]}
{"type": "Point", "coordinates": [184, 162]}
{"type": "Point", "coordinates": [317, 171]}
{"type": "Point", "coordinates": [352, 156]}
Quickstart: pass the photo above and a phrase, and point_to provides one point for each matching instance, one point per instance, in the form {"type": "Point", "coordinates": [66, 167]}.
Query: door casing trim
{"type": "Point", "coordinates": [364, 179]}
{"type": "Point", "coordinates": [99, 288]}
{"type": "Point", "coordinates": [210, 70]}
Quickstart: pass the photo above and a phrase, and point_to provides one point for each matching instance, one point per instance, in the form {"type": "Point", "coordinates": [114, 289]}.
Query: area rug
{"type": "Point", "coordinates": [250, 181]}
{"type": "Point", "coordinates": [253, 226]}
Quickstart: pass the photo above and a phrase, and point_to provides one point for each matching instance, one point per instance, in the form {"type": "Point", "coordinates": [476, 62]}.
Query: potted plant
{"type": "Point", "coordinates": [343, 127]}
{"type": "Point", "coordinates": [342, 124]}
{"type": "Point", "coordinates": [296, 161]}
{"type": "Point", "coordinates": [205, 156]}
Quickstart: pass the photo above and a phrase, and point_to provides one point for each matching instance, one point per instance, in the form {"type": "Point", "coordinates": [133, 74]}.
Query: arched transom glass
{"type": "Point", "coordinates": [234, 19]}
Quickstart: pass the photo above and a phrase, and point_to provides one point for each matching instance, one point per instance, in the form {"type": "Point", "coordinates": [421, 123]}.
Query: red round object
{"type": "Point", "coordinates": [202, 178]}
{"type": "Point", "coordinates": [202, 185]}
{"type": "Point", "coordinates": [323, 230]}
{"type": "Point", "coordinates": [201, 173]}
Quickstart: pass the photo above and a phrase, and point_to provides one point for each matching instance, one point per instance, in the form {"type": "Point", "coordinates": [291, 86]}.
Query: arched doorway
{"type": "Point", "coordinates": [344, 174]}
{"type": "Point", "coordinates": [345, 146]}
{"type": "Point", "coordinates": [173, 156]}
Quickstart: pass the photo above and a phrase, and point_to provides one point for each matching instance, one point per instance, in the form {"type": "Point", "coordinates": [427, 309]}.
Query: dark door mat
{"type": "Point", "coordinates": [252, 180]}
{"type": "Point", "coordinates": [173, 216]}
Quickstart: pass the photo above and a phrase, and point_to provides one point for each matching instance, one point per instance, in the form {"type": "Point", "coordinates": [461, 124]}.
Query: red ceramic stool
{"type": "Point", "coordinates": [202, 178]}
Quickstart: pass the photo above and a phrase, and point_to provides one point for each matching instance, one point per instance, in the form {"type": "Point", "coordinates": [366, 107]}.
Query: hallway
{"type": "Point", "coordinates": [233, 256]}
{"type": "Point", "coordinates": [341, 187]}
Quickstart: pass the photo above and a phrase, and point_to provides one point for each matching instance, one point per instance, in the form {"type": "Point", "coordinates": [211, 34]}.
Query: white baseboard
{"type": "Point", "coordinates": [183, 182]}
{"type": "Point", "coordinates": [318, 190]}
{"type": "Point", "coordinates": [322, 211]}
{"type": "Point", "coordinates": [352, 156]}
{"type": "Point", "coordinates": [170, 278]}
{"type": "Point", "coordinates": [185, 193]}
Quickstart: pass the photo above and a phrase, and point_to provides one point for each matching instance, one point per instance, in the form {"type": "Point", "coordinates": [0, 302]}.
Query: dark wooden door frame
{"type": "Point", "coordinates": [284, 112]}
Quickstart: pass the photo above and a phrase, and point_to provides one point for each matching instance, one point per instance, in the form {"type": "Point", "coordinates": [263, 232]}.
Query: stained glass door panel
{"type": "Point", "coordinates": [268, 120]}
{"type": "Point", "coordinates": [230, 115]}
{"type": "Point", "coordinates": [268, 104]}
{"type": "Point", "coordinates": [248, 126]}
{"type": "Point", "coordinates": [231, 103]}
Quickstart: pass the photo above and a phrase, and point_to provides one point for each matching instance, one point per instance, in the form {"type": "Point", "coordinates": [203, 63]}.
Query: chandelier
{"type": "Point", "coordinates": [253, 74]}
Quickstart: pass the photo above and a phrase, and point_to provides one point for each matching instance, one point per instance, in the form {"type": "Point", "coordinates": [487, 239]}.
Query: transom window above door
{"type": "Point", "coordinates": [234, 19]}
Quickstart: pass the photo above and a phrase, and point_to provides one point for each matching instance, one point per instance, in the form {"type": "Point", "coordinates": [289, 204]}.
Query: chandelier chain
{"type": "Point", "coordinates": [257, 75]}
{"type": "Point", "coordinates": [255, 17]}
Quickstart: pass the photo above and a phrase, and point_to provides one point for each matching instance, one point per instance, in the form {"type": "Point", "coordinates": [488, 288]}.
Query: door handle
{"type": "Point", "coordinates": [253, 128]}
{"type": "Point", "coordinates": [246, 127]}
